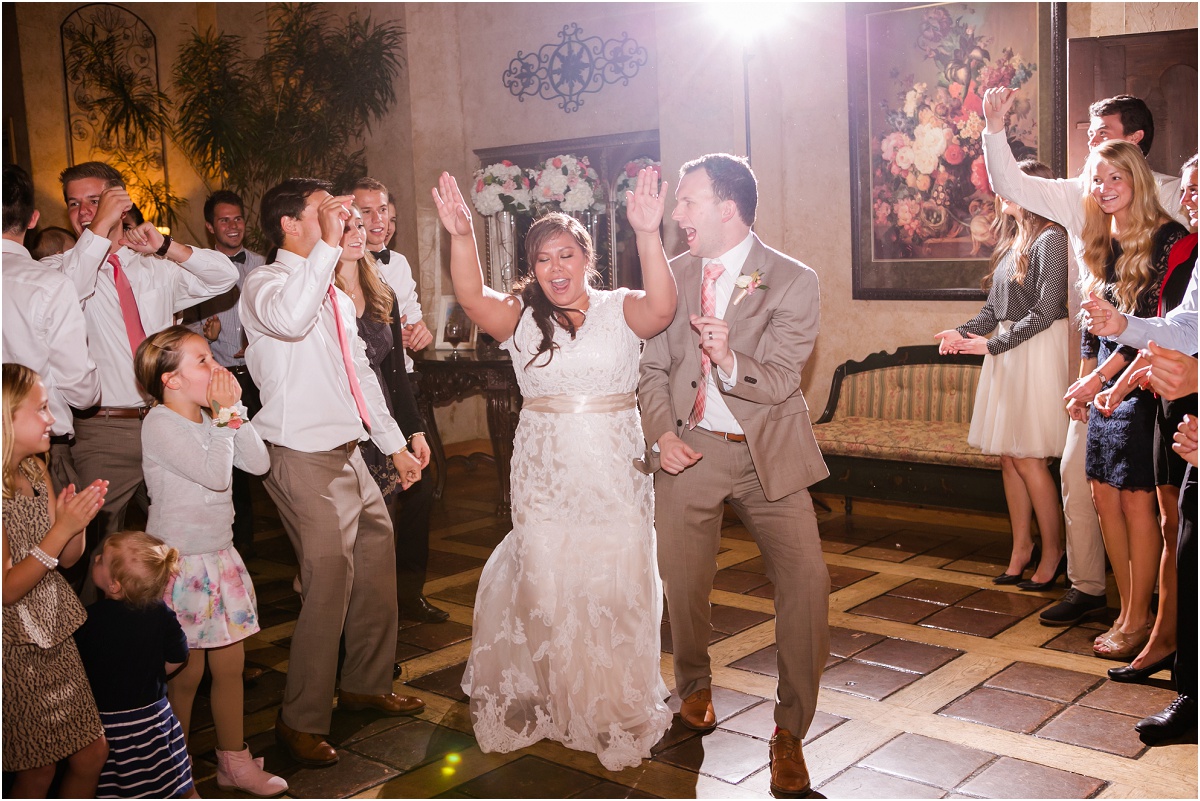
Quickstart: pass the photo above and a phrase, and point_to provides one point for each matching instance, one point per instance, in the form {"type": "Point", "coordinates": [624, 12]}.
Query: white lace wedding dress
{"type": "Point", "coordinates": [566, 628]}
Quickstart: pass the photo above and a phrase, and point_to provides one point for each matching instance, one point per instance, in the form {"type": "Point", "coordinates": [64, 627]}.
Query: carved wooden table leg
{"type": "Point", "coordinates": [502, 426]}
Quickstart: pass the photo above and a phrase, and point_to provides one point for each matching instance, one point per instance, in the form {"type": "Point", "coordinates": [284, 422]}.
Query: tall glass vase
{"type": "Point", "coordinates": [591, 221]}
{"type": "Point", "coordinates": [500, 242]}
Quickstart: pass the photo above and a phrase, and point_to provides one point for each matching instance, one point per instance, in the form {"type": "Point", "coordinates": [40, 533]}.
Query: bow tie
{"type": "Point", "coordinates": [384, 255]}
{"type": "Point", "coordinates": [239, 257]}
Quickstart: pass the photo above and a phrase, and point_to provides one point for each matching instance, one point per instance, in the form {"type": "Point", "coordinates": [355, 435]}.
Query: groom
{"type": "Point", "coordinates": [725, 419]}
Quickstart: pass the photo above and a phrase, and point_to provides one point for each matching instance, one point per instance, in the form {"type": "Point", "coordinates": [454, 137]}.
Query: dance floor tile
{"type": "Point", "coordinates": [1095, 729]}
{"type": "Point", "coordinates": [763, 661]}
{"type": "Point", "coordinates": [924, 759]}
{"type": "Point", "coordinates": [1004, 603]}
{"type": "Point", "coordinates": [842, 577]}
{"type": "Point", "coordinates": [352, 774]}
{"type": "Point", "coordinates": [731, 619]}
{"type": "Point", "coordinates": [942, 593]}
{"type": "Point", "coordinates": [765, 591]}
{"type": "Point", "coordinates": [914, 657]}
{"type": "Point", "coordinates": [447, 682]}
{"type": "Point", "coordinates": [529, 777]}
{"type": "Point", "coordinates": [757, 721]}
{"type": "Point", "coordinates": [1138, 700]}
{"type": "Point", "coordinates": [1015, 778]}
{"type": "Point", "coordinates": [413, 744]}
{"type": "Point", "coordinates": [969, 621]}
{"type": "Point", "coordinates": [868, 681]}
{"type": "Point", "coordinates": [444, 563]}
{"type": "Point", "coordinates": [1002, 710]}
{"type": "Point", "coordinates": [723, 755]}
{"type": "Point", "coordinates": [863, 783]}
{"type": "Point", "coordinates": [484, 537]}
{"type": "Point", "coordinates": [433, 636]}
{"type": "Point", "coordinates": [612, 790]}
{"type": "Point", "coordinates": [733, 580]}
{"type": "Point", "coordinates": [1051, 683]}
{"type": "Point", "coordinates": [902, 610]}
{"type": "Point", "coordinates": [1075, 640]}
{"type": "Point", "coordinates": [726, 702]}
{"type": "Point", "coordinates": [848, 642]}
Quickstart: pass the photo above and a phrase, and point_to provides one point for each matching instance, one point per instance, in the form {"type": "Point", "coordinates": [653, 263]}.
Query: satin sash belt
{"type": "Point", "coordinates": [575, 404]}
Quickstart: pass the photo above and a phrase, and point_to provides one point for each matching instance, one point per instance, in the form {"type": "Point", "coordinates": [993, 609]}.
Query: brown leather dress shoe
{"type": "Point", "coordinates": [307, 749]}
{"type": "Point", "coordinates": [789, 774]}
{"type": "Point", "coordinates": [697, 711]}
{"type": "Point", "coordinates": [388, 704]}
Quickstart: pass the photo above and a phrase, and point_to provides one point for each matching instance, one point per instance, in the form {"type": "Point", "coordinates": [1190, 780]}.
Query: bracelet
{"type": "Point", "coordinates": [408, 442]}
{"type": "Point", "coordinates": [166, 245]}
{"type": "Point", "coordinates": [48, 561]}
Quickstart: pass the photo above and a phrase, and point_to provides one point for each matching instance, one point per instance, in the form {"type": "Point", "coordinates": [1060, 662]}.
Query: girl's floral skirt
{"type": "Point", "coordinates": [213, 597]}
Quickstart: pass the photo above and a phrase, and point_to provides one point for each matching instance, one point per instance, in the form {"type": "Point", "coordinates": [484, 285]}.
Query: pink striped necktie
{"type": "Point", "coordinates": [129, 309]}
{"type": "Point", "coordinates": [708, 308]}
{"type": "Point", "coordinates": [359, 401]}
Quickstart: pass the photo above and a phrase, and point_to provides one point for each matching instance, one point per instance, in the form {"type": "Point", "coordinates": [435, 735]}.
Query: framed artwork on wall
{"type": "Point", "coordinates": [922, 208]}
{"type": "Point", "coordinates": [454, 328]}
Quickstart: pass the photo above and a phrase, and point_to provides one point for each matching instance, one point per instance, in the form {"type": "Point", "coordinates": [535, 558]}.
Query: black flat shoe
{"type": "Point", "coordinates": [1037, 586]}
{"type": "Point", "coordinates": [1128, 673]}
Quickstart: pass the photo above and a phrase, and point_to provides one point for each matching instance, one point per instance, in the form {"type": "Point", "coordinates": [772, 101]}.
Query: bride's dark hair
{"type": "Point", "coordinates": [546, 314]}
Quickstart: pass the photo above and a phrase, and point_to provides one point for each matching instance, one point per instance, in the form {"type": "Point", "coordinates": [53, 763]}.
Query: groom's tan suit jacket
{"type": "Point", "coordinates": [772, 331]}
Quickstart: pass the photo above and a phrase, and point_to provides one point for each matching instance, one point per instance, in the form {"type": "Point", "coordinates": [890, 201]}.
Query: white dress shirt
{"type": "Point", "coordinates": [398, 274]}
{"type": "Point", "coordinates": [225, 308]}
{"type": "Point", "coordinates": [295, 358]}
{"type": "Point", "coordinates": [1177, 330]}
{"type": "Point", "coordinates": [44, 330]}
{"type": "Point", "coordinates": [161, 288]}
{"type": "Point", "coordinates": [717, 416]}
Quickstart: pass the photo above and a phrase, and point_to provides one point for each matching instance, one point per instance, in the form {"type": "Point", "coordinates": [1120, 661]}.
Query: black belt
{"type": "Point", "coordinates": [61, 439]}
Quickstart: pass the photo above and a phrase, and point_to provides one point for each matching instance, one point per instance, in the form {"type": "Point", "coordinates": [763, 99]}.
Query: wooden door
{"type": "Point", "coordinates": [1160, 68]}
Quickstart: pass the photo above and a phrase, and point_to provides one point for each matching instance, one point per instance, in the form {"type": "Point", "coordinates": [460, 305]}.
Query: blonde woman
{"type": "Point", "coordinates": [1127, 238]}
{"type": "Point", "coordinates": [1018, 412]}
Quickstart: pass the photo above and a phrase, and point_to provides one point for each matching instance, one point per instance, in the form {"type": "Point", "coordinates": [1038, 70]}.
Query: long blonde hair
{"type": "Point", "coordinates": [19, 382]}
{"type": "Point", "coordinates": [1134, 269]}
{"type": "Point", "coordinates": [376, 294]}
{"type": "Point", "coordinates": [1018, 233]}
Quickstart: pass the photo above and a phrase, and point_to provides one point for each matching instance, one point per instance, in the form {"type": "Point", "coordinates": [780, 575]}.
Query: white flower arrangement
{"type": "Point", "coordinates": [566, 183]}
{"type": "Point", "coordinates": [501, 187]}
{"type": "Point", "coordinates": [628, 180]}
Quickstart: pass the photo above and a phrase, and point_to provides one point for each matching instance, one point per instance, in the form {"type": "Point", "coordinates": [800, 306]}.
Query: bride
{"type": "Point", "coordinates": [566, 628]}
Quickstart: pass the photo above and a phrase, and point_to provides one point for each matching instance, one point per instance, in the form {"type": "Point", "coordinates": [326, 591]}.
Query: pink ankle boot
{"type": "Point", "coordinates": [238, 770]}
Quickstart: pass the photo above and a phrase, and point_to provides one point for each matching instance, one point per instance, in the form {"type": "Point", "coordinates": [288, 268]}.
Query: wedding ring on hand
{"type": "Point", "coordinates": [710, 335]}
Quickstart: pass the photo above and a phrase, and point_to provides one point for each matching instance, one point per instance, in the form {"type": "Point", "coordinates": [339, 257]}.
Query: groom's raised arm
{"type": "Point", "coordinates": [786, 343]}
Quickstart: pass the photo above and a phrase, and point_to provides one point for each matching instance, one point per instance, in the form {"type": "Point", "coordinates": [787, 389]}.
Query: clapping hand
{"type": "Point", "coordinates": [644, 204]}
{"type": "Point", "coordinates": [74, 510]}
{"type": "Point", "coordinates": [1101, 317]}
{"type": "Point", "coordinates": [948, 341]}
{"type": "Point", "coordinates": [452, 209]}
{"type": "Point", "coordinates": [223, 390]}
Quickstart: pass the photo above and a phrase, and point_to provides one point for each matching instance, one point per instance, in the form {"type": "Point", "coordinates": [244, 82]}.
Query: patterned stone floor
{"type": "Point", "coordinates": [940, 685]}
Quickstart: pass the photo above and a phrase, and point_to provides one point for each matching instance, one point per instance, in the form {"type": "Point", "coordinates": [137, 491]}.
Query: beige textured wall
{"type": "Point", "coordinates": [1112, 19]}
{"type": "Point", "coordinates": [451, 101]}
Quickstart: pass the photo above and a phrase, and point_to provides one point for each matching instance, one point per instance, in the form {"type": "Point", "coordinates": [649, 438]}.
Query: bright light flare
{"type": "Point", "coordinates": [746, 21]}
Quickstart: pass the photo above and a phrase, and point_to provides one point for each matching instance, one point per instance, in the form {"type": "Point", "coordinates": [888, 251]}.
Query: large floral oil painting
{"type": "Point", "coordinates": [924, 209]}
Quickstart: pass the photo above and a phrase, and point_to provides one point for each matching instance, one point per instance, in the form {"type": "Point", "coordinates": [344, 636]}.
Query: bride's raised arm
{"type": "Point", "coordinates": [651, 311]}
{"type": "Point", "coordinates": [495, 312]}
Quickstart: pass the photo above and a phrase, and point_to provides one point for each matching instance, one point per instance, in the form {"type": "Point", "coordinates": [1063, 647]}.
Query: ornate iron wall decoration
{"type": "Point", "coordinates": [115, 108]}
{"type": "Point", "coordinates": [574, 67]}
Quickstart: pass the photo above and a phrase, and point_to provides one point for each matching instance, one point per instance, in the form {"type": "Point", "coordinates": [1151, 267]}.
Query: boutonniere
{"type": "Point", "coordinates": [749, 284]}
{"type": "Point", "coordinates": [228, 416]}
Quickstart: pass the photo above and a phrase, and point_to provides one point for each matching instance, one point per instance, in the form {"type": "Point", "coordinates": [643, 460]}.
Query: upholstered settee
{"type": "Point", "coordinates": [895, 429]}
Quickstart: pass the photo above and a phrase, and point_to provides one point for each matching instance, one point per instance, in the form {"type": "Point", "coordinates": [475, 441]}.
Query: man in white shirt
{"type": "Point", "coordinates": [44, 327]}
{"type": "Point", "coordinates": [1061, 200]}
{"type": "Point", "coordinates": [217, 319]}
{"type": "Point", "coordinates": [131, 284]}
{"type": "Point", "coordinates": [320, 398]}
{"type": "Point", "coordinates": [410, 515]}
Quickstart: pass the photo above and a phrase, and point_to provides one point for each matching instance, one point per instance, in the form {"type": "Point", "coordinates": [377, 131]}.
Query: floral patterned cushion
{"type": "Point", "coordinates": [939, 392]}
{"type": "Point", "coordinates": [935, 442]}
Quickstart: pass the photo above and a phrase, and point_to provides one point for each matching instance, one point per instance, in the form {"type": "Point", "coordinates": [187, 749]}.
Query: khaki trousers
{"type": "Point", "coordinates": [688, 512]}
{"type": "Point", "coordinates": [1085, 545]}
{"type": "Point", "coordinates": [338, 524]}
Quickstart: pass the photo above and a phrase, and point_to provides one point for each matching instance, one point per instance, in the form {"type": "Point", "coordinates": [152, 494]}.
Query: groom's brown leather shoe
{"type": "Point", "coordinates": [789, 774]}
{"type": "Point", "coordinates": [697, 711]}
{"type": "Point", "coordinates": [307, 749]}
{"type": "Point", "coordinates": [388, 704]}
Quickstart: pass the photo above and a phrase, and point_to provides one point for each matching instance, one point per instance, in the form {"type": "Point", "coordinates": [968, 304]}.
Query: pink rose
{"type": "Point", "coordinates": [954, 154]}
{"type": "Point", "coordinates": [506, 163]}
{"type": "Point", "coordinates": [631, 169]}
{"type": "Point", "coordinates": [479, 186]}
{"type": "Point", "coordinates": [509, 186]}
{"type": "Point", "coordinates": [556, 163]}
